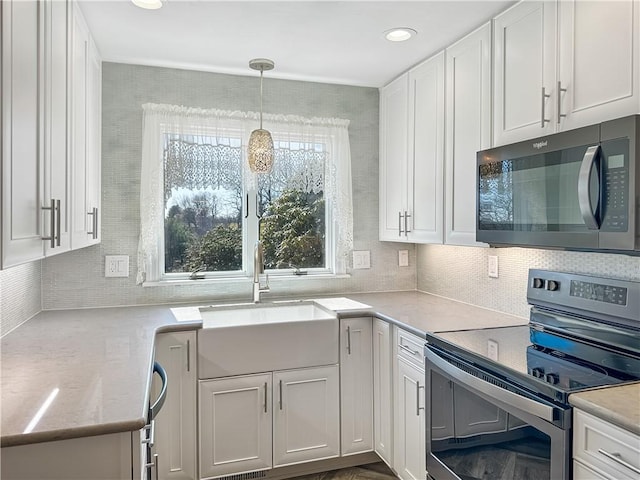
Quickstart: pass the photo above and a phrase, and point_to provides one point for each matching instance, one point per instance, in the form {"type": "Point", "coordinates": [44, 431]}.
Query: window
{"type": "Point", "coordinates": [203, 211]}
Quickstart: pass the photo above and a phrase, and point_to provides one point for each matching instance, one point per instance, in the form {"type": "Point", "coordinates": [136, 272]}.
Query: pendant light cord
{"type": "Point", "coordinates": [261, 71]}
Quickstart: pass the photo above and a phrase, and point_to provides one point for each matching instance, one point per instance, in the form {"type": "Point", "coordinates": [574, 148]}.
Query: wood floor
{"type": "Point", "coordinates": [374, 471]}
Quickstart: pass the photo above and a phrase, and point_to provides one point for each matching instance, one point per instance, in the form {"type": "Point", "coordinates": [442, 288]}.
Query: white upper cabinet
{"type": "Point", "coordinates": [563, 65]}
{"type": "Point", "coordinates": [599, 48]}
{"type": "Point", "coordinates": [85, 133]}
{"type": "Point", "coordinates": [411, 155]}
{"type": "Point", "coordinates": [468, 129]}
{"type": "Point", "coordinates": [35, 170]}
{"type": "Point", "coordinates": [524, 71]}
{"type": "Point", "coordinates": [394, 118]}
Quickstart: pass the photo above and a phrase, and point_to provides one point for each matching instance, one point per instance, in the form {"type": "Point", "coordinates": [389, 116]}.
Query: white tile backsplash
{"type": "Point", "coordinates": [20, 295]}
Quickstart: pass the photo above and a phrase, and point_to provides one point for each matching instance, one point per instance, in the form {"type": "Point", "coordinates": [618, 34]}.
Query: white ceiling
{"type": "Point", "coordinates": [323, 41]}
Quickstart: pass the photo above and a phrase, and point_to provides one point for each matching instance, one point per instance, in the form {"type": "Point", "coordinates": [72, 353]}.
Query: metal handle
{"type": "Point", "coordinates": [399, 224]}
{"type": "Point", "coordinates": [407, 349]}
{"type": "Point", "coordinates": [265, 397]}
{"type": "Point", "coordinates": [257, 206]}
{"type": "Point", "coordinates": [471, 382]}
{"type": "Point", "coordinates": [246, 212]}
{"type": "Point", "coordinates": [188, 355]}
{"type": "Point", "coordinates": [151, 439]}
{"type": "Point", "coordinates": [418, 407]}
{"type": "Point", "coordinates": [155, 461]}
{"type": "Point", "coordinates": [542, 119]}
{"type": "Point", "coordinates": [94, 223]}
{"type": "Point", "coordinates": [52, 223]}
{"type": "Point", "coordinates": [280, 400]}
{"type": "Point", "coordinates": [406, 218]}
{"type": "Point", "coordinates": [348, 340]}
{"type": "Point", "coordinates": [616, 457]}
{"type": "Point", "coordinates": [559, 102]}
{"type": "Point", "coordinates": [155, 408]}
{"type": "Point", "coordinates": [584, 187]}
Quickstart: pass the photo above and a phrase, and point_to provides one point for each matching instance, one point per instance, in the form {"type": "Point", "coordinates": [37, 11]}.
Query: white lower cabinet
{"type": "Point", "coordinates": [382, 391]}
{"type": "Point", "coordinates": [409, 443]}
{"type": "Point", "coordinates": [602, 450]}
{"type": "Point", "coordinates": [306, 423]}
{"type": "Point", "coordinates": [235, 425]}
{"type": "Point", "coordinates": [175, 424]}
{"type": "Point", "coordinates": [102, 457]}
{"type": "Point", "coordinates": [356, 385]}
{"type": "Point", "coordinates": [255, 422]}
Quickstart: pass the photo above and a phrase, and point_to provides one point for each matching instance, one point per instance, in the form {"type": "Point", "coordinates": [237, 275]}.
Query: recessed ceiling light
{"type": "Point", "coordinates": [148, 4]}
{"type": "Point", "coordinates": [399, 34]}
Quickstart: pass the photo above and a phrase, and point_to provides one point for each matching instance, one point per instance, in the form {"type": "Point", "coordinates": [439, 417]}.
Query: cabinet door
{"type": "Point", "coordinates": [175, 424]}
{"type": "Point", "coordinates": [394, 100]}
{"type": "Point", "coordinates": [468, 130]}
{"type": "Point", "coordinates": [582, 472]}
{"type": "Point", "coordinates": [235, 425]}
{"type": "Point", "coordinates": [524, 64]}
{"type": "Point", "coordinates": [426, 151]}
{"type": "Point", "coordinates": [22, 42]}
{"type": "Point", "coordinates": [409, 444]}
{"type": "Point", "coordinates": [57, 172]}
{"type": "Point", "coordinates": [382, 388]}
{"type": "Point", "coordinates": [306, 423]}
{"type": "Point", "coordinates": [94, 143]}
{"type": "Point", "coordinates": [599, 68]}
{"type": "Point", "coordinates": [356, 385]}
{"type": "Point", "coordinates": [475, 416]}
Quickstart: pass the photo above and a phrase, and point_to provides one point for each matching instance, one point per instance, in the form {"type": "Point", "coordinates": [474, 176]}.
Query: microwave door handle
{"type": "Point", "coordinates": [584, 187]}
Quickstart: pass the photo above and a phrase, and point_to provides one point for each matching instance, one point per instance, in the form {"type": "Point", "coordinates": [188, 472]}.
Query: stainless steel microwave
{"type": "Point", "coordinates": [575, 190]}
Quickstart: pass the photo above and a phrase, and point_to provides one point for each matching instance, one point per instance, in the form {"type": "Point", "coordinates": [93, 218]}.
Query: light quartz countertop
{"type": "Point", "coordinates": [618, 405]}
{"type": "Point", "coordinates": [94, 365]}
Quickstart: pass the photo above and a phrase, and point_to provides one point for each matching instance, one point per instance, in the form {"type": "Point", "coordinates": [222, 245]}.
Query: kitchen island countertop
{"type": "Point", "coordinates": [95, 363]}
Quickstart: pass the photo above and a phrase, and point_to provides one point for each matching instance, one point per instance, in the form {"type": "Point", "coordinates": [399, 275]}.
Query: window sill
{"type": "Point", "coordinates": [273, 278]}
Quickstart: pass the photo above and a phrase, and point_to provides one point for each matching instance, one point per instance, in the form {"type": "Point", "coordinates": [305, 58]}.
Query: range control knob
{"type": "Point", "coordinates": [552, 285]}
{"type": "Point", "coordinates": [552, 378]}
{"type": "Point", "coordinates": [538, 282]}
{"type": "Point", "coordinates": [538, 372]}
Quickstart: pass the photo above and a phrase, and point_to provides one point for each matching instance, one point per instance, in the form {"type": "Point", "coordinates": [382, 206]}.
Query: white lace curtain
{"type": "Point", "coordinates": [159, 120]}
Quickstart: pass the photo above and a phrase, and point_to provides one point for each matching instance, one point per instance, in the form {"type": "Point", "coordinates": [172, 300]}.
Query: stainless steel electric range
{"type": "Point", "coordinates": [499, 404]}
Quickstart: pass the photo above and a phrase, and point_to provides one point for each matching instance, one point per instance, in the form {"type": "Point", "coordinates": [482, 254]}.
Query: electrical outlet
{"type": "Point", "coordinates": [116, 265]}
{"type": "Point", "coordinates": [492, 350]}
{"type": "Point", "coordinates": [492, 268]}
{"type": "Point", "coordinates": [361, 259]}
{"type": "Point", "coordinates": [403, 258]}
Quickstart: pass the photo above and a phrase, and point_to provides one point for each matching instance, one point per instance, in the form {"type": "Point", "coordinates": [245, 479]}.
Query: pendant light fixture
{"type": "Point", "coordinates": [260, 150]}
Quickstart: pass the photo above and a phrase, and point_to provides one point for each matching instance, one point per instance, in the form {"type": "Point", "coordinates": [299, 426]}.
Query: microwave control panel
{"type": "Point", "coordinates": [616, 186]}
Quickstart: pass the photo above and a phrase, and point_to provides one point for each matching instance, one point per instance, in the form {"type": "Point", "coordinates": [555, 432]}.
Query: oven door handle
{"type": "Point", "coordinates": [466, 379]}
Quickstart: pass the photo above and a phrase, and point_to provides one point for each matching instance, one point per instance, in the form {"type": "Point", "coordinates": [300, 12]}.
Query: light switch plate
{"type": "Point", "coordinates": [361, 259]}
{"type": "Point", "coordinates": [116, 265]}
{"type": "Point", "coordinates": [492, 350]}
{"type": "Point", "coordinates": [403, 258]}
{"type": "Point", "coordinates": [492, 268]}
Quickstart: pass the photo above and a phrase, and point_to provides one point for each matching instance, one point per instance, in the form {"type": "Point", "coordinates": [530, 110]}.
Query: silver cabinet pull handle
{"type": "Point", "coordinates": [348, 340]}
{"type": "Point", "coordinates": [407, 349]}
{"type": "Point", "coordinates": [544, 97]}
{"type": "Point", "coordinates": [406, 219]}
{"type": "Point", "coordinates": [616, 457]}
{"type": "Point", "coordinates": [280, 400]}
{"type": "Point", "coordinates": [151, 439]}
{"type": "Point", "coordinates": [559, 102]}
{"type": "Point", "coordinates": [584, 187]}
{"type": "Point", "coordinates": [265, 397]}
{"type": "Point", "coordinates": [418, 407]}
{"type": "Point", "coordinates": [94, 223]}
{"type": "Point", "coordinates": [155, 461]}
{"type": "Point", "coordinates": [399, 224]}
{"type": "Point", "coordinates": [246, 212]}
{"type": "Point", "coordinates": [188, 355]}
{"type": "Point", "coordinates": [52, 223]}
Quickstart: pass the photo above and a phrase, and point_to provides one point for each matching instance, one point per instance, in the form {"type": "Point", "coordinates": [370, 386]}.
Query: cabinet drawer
{"type": "Point", "coordinates": [606, 448]}
{"type": "Point", "coordinates": [410, 347]}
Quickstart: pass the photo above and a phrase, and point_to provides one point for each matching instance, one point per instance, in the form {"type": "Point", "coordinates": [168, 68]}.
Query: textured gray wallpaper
{"type": "Point", "coordinates": [461, 272]}
{"type": "Point", "coordinates": [77, 279]}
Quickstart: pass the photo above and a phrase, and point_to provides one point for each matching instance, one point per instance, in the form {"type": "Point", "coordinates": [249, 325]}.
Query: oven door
{"type": "Point", "coordinates": [476, 429]}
